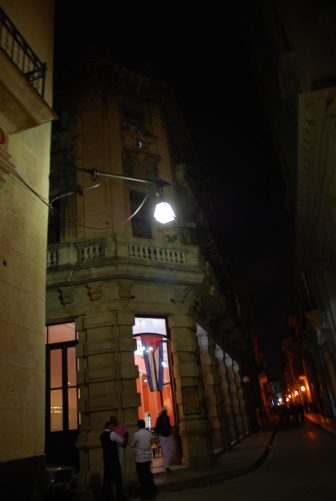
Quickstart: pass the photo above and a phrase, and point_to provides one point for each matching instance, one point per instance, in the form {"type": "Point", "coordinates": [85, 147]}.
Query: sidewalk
{"type": "Point", "coordinates": [244, 457]}
{"type": "Point", "coordinates": [328, 424]}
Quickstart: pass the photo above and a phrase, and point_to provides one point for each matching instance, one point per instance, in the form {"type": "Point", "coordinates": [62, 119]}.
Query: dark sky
{"type": "Point", "coordinates": [204, 57]}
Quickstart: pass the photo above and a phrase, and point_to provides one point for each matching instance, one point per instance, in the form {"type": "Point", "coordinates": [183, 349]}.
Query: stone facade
{"type": "Point", "coordinates": [102, 276]}
{"type": "Point", "coordinates": [297, 73]}
{"type": "Point", "coordinates": [25, 132]}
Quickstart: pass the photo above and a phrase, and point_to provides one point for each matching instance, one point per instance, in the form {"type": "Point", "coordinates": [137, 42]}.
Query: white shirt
{"type": "Point", "coordinates": [116, 438]}
{"type": "Point", "coordinates": [142, 444]}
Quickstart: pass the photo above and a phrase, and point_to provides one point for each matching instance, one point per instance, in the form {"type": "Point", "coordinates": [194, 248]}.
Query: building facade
{"type": "Point", "coordinates": [26, 58]}
{"type": "Point", "coordinates": [126, 294]}
{"type": "Point", "coordinates": [293, 48]}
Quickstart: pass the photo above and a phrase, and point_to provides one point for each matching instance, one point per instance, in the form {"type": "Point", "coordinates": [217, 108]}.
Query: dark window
{"type": "Point", "coordinates": [134, 118]}
{"type": "Point", "coordinates": [141, 222]}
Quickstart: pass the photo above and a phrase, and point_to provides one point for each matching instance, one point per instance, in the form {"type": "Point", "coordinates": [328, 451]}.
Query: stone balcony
{"type": "Point", "coordinates": [119, 256]}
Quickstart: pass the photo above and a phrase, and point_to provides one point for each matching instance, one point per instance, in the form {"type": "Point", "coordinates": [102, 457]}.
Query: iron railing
{"type": "Point", "coordinates": [21, 54]}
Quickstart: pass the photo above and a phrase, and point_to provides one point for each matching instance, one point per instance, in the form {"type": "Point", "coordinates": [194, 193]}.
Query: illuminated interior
{"type": "Point", "coordinates": [145, 330]}
{"type": "Point", "coordinates": [62, 380]}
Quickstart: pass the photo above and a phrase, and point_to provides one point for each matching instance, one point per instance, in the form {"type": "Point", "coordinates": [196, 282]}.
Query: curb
{"type": "Point", "coordinates": [219, 476]}
{"type": "Point", "coordinates": [331, 433]}
{"type": "Point", "coordinates": [198, 481]}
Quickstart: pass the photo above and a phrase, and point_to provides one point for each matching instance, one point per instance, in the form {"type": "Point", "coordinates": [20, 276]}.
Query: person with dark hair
{"type": "Point", "coordinates": [122, 431]}
{"type": "Point", "coordinates": [112, 470]}
{"type": "Point", "coordinates": [141, 442]}
{"type": "Point", "coordinates": [164, 430]}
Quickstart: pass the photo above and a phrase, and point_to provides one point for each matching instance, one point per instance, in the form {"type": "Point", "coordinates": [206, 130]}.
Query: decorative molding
{"type": "Point", "coordinates": [66, 295]}
{"type": "Point", "coordinates": [181, 295]}
{"type": "Point", "coordinates": [317, 134]}
{"type": "Point", "coordinates": [140, 163]}
{"type": "Point", "coordinates": [95, 293]}
{"type": "Point", "coordinates": [125, 289]}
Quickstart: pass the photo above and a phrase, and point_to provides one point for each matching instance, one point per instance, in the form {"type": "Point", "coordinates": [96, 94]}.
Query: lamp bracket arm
{"type": "Point", "coordinates": [159, 183]}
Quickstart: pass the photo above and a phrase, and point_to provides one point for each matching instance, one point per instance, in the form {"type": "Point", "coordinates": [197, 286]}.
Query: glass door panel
{"type": "Point", "coordinates": [56, 410]}
{"type": "Point", "coordinates": [72, 366]}
{"type": "Point", "coordinates": [56, 373]}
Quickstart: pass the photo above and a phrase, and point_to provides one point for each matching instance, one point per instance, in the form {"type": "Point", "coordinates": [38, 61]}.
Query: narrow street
{"type": "Point", "coordinates": [301, 466]}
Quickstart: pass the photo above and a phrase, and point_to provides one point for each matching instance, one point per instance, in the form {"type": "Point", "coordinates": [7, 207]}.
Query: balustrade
{"type": "Point", "coordinates": [81, 252]}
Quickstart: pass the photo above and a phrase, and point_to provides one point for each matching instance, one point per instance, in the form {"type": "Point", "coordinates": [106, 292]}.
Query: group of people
{"type": "Point", "coordinates": [114, 440]}
{"type": "Point", "coordinates": [293, 413]}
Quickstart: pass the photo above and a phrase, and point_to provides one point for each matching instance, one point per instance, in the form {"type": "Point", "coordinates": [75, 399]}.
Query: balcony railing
{"type": "Point", "coordinates": [21, 54]}
{"type": "Point", "coordinates": [99, 251]}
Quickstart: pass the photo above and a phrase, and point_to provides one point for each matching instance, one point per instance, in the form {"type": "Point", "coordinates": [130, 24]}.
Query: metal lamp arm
{"type": "Point", "coordinates": [159, 183]}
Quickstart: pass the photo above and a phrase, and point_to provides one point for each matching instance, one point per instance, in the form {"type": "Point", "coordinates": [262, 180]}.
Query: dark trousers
{"type": "Point", "coordinates": [146, 479]}
{"type": "Point", "coordinates": [112, 477]}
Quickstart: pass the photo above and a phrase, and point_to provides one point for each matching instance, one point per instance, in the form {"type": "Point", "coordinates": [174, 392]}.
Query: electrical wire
{"type": "Point", "coordinates": [24, 183]}
{"type": "Point", "coordinates": [136, 211]}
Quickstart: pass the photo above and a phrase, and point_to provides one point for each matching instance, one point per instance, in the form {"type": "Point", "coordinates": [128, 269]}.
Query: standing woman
{"type": "Point", "coordinates": [164, 430]}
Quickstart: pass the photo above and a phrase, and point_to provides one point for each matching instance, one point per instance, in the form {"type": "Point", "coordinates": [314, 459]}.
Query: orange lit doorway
{"type": "Point", "coordinates": [152, 358]}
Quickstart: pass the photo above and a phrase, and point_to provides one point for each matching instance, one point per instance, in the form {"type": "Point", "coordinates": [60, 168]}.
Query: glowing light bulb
{"type": "Point", "coordinates": [164, 213]}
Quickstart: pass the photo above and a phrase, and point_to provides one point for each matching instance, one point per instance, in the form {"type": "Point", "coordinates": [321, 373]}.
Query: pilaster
{"type": "Point", "coordinates": [212, 390]}
{"type": "Point", "coordinates": [233, 392]}
{"type": "Point", "coordinates": [190, 398]}
{"type": "Point", "coordinates": [240, 397]}
{"type": "Point", "coordinates": [226, 398]}
{"type": "Point", "coordinates": [107, 382]}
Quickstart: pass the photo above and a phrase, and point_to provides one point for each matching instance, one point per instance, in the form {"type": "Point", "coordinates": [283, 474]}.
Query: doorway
{"type": "Point", "coordinates": [154, 383]}
{"type": "Point", "coordinates": [152, 358]}
{"type": "Point", "coordinates": [62, 416]}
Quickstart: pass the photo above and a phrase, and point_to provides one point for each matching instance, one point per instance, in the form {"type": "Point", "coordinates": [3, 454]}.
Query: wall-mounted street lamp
{"type": "Point", "coordinates": [163, 212]}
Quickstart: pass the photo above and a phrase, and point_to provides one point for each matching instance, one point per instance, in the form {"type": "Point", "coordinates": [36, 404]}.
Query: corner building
{"type": "Point", "coordinates": [119, 289]}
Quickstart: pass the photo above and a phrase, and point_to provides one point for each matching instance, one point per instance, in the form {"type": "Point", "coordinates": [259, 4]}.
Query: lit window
{"type": "Point", "coordinates": [62, 392]}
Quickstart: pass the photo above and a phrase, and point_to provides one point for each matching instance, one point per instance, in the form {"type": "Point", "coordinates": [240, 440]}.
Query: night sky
{"type": "Point", "coordinates": [204, 57]}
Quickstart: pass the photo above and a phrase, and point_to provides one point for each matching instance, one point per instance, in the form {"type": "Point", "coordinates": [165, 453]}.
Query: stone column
{"type": "Point", "coordinates": [107, 382]}
{"type": "Point", "coordinates": [226, 398]}
{"type": "Point", "coordinates": [240, 397]}
{"type": "Point", "coordinates": [212, 390]}
{"type": "Point", "coordinates": [189, 391]}
{"type": "Point", "coordinates": [233, 393]}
